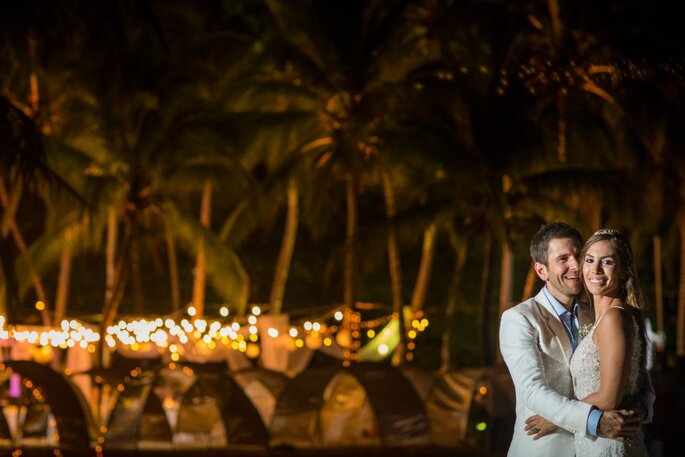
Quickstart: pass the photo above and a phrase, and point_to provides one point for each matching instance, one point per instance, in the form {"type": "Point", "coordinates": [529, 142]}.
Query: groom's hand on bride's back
{"type": "Point", "coordinates": [622, 424]}
{"type": "Point", "coordinates": [633, 403]}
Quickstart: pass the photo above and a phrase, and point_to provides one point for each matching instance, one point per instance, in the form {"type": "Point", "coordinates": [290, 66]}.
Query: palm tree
{"type": "Point", "coordinates": [341, 83]}
{"type": "Point", "coordinates": [141, 150]}
{"type": "Point", "coordinates": [26, 119]}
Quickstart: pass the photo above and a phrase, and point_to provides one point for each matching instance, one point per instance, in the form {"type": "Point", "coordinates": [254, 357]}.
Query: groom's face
{"type": "Point", "coordinates": [562, 272]}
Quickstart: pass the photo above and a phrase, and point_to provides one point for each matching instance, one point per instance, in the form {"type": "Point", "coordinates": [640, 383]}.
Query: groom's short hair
{"type": "Point", "coordinates": [540, 242]}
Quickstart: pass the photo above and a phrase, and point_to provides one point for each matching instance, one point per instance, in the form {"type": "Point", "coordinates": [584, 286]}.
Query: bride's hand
{"type": "Point", "coordinates": [538, 426]}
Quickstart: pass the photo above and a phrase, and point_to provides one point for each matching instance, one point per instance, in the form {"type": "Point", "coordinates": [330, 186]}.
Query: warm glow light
{"type": "Point", "coordinates": [292, 332]}
{"type": "Point", "coordinates": [343, 338]}
{"type": "Point", "coordinates": [338, 315]}
{"type": "Point", "coordinates": [223, 311]}
{"type": "Point", "coordinates": [483, 390]}
{"type": "Point", "coordinates": [481, 426]}
{"type": "Point", "coordinates": [192, 311]}
{"type": "Point", "coordinates": [383, 349]}
{"type": "Point", "coordinates": [252, 350]}
{"type": "Point", "coordinates": [256, 311]}
{"type": "Point", "coordinates": [313, 342]}
{"type": "Point", "coordinates": [370, 333]}
{"type": "Point", "coordinates": [40, 305]}
{"type": "Point", "coordinates": [272, 332]}
{"type": "Point", "coordinates": [252, 320]}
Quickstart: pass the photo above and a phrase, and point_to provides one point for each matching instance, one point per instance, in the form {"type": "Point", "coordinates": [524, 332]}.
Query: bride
{"type": "Point", "coordinates": [608, 366]}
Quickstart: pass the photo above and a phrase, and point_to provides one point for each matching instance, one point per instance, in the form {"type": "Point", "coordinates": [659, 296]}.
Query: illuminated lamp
{"type": "Point", "coordinates": [42, 354]}
{"type": "Point", "coordinates": [343, 338]}
{"type": "Point", "coordinates": [252, 350]}
{"type": "Point", "coordinates": [313, 342]}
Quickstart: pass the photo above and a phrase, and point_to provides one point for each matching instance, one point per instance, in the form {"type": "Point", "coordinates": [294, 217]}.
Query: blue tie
{"type": "Point", "coordinates": [570, 324]}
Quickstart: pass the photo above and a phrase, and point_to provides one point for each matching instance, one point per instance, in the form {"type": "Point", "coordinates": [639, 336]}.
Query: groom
{"type": "Point", "coordinates": [537, 339]}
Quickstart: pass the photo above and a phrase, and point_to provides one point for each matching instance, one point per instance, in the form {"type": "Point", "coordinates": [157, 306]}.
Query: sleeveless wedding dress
{"type": "Point", "coordinates": [585, 372]}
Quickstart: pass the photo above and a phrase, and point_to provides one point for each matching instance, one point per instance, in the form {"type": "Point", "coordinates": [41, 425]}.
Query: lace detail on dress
{"type": "Point", "coordinates": [585, 372]}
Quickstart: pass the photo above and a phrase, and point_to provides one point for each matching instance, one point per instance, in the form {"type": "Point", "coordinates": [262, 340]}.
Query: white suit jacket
{"type": "Point", "coordinates": [537, 351]}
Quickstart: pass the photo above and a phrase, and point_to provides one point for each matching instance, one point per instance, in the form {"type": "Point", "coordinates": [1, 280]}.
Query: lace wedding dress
{"type": "Point", "coordinates": [585, 372]}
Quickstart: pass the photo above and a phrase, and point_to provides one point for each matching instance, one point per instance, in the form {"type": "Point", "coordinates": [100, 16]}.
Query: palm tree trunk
{"type": "Point", "coordinates": [201, 261]}
{"type": "Point", "coordinates": [680, 322]}
{"type": "Point", "coordinates": [6, 202]}
{"type": "Point", "coordinates": [63, 278]}
{"type": "Point", "coordinates": [484, 301]}
{"type": "Point", "coordinates": [136, 275]}
{"type": "Point", "coordinates": [553, 6]}
{"type": "Point", "coordinates": [460, 252]}
{"type": "Point", "coordinates": [658, 289]}
{"type": "Point", "coordinates": [117, 277]}
{"type": "Point", "coordinates": [506, 279]}
{"type": "Point", "coordinates": [419, 296]}
{"type": "Point", "coordinates": [173, 271]}
{"type": "Point", "coordinates": [110, 253]}
{"type": "Point", "coordinates": [350, 261]}
{"type": "Point", "coordinates": [561, 121]}
{"type": "Point", "coordinates": [506, 285]}
{"type": "Point", "coordinates": [531, 279]}
{"type": "Point", "coordinates": [286, 253]}
{"type": "Point", "coordinates": [395, 269]}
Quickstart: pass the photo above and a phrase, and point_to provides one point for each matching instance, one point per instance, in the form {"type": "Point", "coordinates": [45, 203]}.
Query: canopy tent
{"type": "Point", "coordinates": [263, 387]}
{"type": "Point", "coordinates": [198, 406]}
{"type": "Point", "coordinates": [215, 392]}
{"type": "Point", "coordinates": [138, 419]}
{"type": "Point", "coordinates": [364, 405]}
{"type": "Point", "coordinates": [61, 400]}
{"type": "Point", "coordinates": [5, 432]}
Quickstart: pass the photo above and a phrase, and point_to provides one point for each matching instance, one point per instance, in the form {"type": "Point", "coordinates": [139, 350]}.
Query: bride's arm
{"type": "Point", "coordinates": [612, 336]}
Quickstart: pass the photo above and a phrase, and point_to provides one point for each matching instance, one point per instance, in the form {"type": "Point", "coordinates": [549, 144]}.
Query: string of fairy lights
{"type": "Point", "coordinates": [189, 336]}
{"type": "Point", "coordinates": [538, 73]}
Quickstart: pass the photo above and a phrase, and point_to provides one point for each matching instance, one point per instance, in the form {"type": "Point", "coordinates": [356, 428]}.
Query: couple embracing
{"type": "Point", "coordinates": [578, 363]}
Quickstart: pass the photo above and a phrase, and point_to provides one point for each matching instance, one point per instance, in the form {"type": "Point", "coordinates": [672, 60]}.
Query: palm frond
{"type": "Point", "coordinates": [224, 268]}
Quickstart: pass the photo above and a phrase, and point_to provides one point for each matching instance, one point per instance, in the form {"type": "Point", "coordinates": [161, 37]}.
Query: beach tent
{"type": "Point", "coordinates": [262, 387]}
{"type": "Point", "coordinates": [217, 410]}
{"type": "Point", "coordinates": [368, 404]}
{"type": "Point", "coordinates": [138, 419]}
{"type": "Point", "coordinates": [61, 401]}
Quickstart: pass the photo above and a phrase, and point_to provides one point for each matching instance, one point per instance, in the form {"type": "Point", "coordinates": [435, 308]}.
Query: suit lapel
{"type": "Point", "coordinates": [554, 325]}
